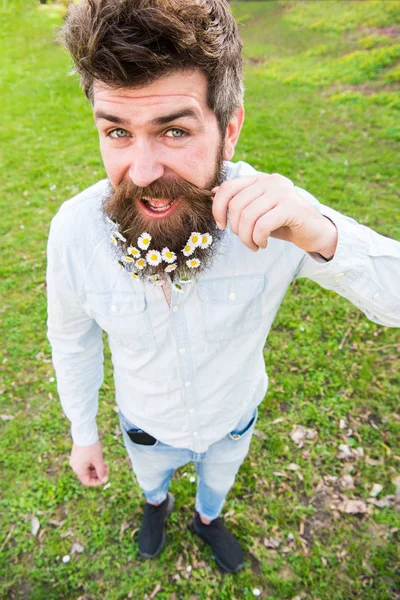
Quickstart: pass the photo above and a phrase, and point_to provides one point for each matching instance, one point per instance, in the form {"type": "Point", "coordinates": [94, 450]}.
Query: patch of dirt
{"type": "Point", "coordinates": [365, 88]}
{"type": "Point", "coordinates": [319, 524]}
{"type": "Point", "coordinates": [254, 60]}
{"type": "Point", "coordinates": [393, 31]}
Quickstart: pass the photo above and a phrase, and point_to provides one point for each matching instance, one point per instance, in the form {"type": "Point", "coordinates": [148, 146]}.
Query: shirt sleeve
{"type": "Point", "coordinates": [77, 348]}
{"type": "Point", "coordinates": [365, 268]}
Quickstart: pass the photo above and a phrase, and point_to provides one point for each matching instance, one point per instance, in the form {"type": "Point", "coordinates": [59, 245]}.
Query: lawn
{"type": "Point", "coordinates": [317, 516]}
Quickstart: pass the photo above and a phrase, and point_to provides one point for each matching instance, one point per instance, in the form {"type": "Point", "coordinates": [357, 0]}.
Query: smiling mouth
{"type": "Point", "coordinates": [156, 208]}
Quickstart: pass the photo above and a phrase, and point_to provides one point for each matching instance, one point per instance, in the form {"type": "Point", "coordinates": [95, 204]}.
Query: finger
{"type": "Point", "coordinates": [224, 194]}
{"type": "Point", "coordinates": [242, 202]}
{"type": "Point", "coordinates": [102, 471]}
{"type": "Point", "coordinates": [250, 216]}
{"type": "Point", "coordinates": [268, 223]}
{"type": "Point", "coordinates": [89, 480]}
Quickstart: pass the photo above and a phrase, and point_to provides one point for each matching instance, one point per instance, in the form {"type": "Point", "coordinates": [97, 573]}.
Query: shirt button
{"type": "Point", "coordinates": [376, 296]}
{"type": "Point", "coordinates": [188, 384]}
{"type": "Point", "coordinates": [232, 296]}
{"type": "Point", "coordinates": [175, 308]}
{"type": "Point", "coordinates": [191, 411]}
{"type": "Point", "coordinates": [113, 309]}
{"type": "Point", "coordinates": [195, 433]}
{"type": "Point", "coordinates": [339, 275]}
{"type": "Point", "coordinates": [182, 350]}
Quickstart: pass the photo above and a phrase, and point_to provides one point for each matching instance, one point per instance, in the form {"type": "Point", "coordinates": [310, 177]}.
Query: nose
{"type": "Point", "coordinates": [145, 166]}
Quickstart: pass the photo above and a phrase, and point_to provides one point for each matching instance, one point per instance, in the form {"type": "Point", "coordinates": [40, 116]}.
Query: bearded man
{"type": "Point", "coordinates": [169, 256]}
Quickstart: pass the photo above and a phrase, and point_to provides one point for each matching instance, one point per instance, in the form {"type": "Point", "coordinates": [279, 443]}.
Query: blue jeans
{"type": "Point", "coordinates": [216, 468]}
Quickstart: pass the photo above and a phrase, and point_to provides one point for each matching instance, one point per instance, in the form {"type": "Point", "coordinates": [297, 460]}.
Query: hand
{"type": "Point", "coordinates": [268, 205]}
{"type": "Point", "coordinates": [87, 462]}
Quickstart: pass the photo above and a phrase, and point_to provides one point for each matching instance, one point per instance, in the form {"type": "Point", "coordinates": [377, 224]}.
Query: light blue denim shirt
{"type": "Point", "coordinates": [186, 373]}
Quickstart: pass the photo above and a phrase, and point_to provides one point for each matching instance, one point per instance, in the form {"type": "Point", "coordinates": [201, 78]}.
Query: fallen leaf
{"type": "Point", "coordinates": [387, 501]}
{"type": "Point", "coordinates": [272, 543]}
{"type": "Point", "coordinates": [155, 591]}
{"type": "Point", "coordinates": [345, 452]}
{"type": "Point", "coordinates": [35, 526]}
{"type": "Point", "coordinates": [347, 482]}
{"type": "Point", "coordinates": [260, 434]}
{"type": "Point", "coordinates": [298, 434]}
{"type": "Point", "coordinates": [376, 490]}
{"type": "Point", "coordinates": [6, 417]}
{"type": "Point", "coordinates": [353, 507]}
{"type": "Point", "coordinates": [293, 467]}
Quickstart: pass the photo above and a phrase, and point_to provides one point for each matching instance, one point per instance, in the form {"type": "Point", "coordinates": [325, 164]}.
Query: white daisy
{"type": "Point", "coordinates": [185, 280]}
{"type": "Point", "coordinates": [195, 239]}
{"type": "Point", "coordinates": [128, 259]}
{"type": "Point", "coordinates": [111, 221]}
{"type": "Point", "coordinates": [140, 264]}
{"type": "Point", "coordinates": [114, 240]}
{"type": "Point", "coordinates": [119, 236]}
{"type": "Point", "coordinates": [170, 268]}
{"type": "Point", "coordinates": [206, 240]}
{"type": "Point", "coordinates": [133, 251]}
{"type": "Point", "coordinates": [168, 255]}
{"type": "Point", "coordinates": [134, 276]}
{"type": "Point", "coordinates": [188, 250]}
{"type": "Point", "coordinates": [153, 257]}
{"type": "Point", "coordinates": [154, 277]}
{"type": "Point", "coordinates": [144, 241]}
{"type": "Point", "coordinates": [177, 288]}
{"type": "Point", "coordinates": [193, 263]}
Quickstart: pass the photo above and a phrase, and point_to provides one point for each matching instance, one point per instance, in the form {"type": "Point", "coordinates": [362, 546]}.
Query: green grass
{"type": "Point", "coordinates": [321, 108]}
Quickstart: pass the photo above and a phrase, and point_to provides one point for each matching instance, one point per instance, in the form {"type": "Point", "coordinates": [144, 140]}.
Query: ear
{"type": "Point", "coordinates": [232, 133]}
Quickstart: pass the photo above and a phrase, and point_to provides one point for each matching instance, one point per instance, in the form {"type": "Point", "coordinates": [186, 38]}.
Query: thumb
{"type": "Point", "coordinates": [102, 471]}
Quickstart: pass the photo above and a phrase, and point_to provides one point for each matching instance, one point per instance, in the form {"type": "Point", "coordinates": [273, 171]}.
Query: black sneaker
{"type": "Point", "coordinates": [151, 537]}
{"type": "Point", "coordinates": [227, 551]}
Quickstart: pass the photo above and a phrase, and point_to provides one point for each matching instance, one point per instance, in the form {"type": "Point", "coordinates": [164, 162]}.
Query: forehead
{"type": "Point", "coordinates": [182, 89]}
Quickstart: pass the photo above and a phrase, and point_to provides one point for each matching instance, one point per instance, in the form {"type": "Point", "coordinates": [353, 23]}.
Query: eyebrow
{"type": "Point", "coordinates": [185, 112]}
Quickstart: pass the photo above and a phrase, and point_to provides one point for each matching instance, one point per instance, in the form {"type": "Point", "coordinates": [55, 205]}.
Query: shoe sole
{"type": "Point", "coordinates": [221, 565]}
{"type": "Point", "coordinates": [170, 508]}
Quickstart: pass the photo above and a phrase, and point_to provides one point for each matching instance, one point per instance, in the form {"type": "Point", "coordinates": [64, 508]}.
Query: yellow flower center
{"type": "Point", "coordinates": [168, 254]}
{"type": "Point", "coordinates": [204, 239]}
{"type": "Point", "coordinates": [194, 239]}
{"type": "Point", "coordinates": [187, 248]}
{"type": "Point", "coordinates": [146, 241]}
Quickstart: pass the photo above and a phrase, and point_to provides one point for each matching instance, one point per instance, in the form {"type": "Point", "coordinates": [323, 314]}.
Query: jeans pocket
{"type": "Point", "coordinates": [244, 426]}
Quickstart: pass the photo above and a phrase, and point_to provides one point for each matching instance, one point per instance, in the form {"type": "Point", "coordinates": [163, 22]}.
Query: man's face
{"type": "Point", "coordinates": [162, 150]}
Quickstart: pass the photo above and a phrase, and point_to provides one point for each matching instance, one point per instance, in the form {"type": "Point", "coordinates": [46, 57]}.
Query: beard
{"type": "Point", "coordinates": [193, 213]}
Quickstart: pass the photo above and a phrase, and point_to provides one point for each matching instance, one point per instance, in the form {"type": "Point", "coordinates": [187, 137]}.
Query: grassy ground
{"type": "Point", "coordinates": [322, 82]}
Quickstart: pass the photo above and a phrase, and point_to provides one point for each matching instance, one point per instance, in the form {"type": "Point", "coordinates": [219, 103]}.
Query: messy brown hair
{"type": "Point", "coordinates": [132, 43]}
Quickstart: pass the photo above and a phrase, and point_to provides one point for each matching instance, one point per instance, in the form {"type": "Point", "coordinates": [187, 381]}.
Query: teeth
{"type": "Point", "coordinates": [159, 208]}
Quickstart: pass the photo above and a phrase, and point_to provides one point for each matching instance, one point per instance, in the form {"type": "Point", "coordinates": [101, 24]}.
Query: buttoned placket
{"type": "Point", "coordinates": [186, 368]}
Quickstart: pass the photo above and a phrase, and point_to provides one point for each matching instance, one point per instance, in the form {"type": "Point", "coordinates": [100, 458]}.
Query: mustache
{"type": "Point", "coordinates": [173, 189]}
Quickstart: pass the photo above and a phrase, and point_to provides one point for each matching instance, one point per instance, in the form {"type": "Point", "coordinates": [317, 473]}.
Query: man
{"type": "Point", "coordinates": [183, 257]}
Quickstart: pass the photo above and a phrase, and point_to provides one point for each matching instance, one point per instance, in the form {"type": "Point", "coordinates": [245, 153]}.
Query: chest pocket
{"type": "Point", "coordinates": [230, 306]}
{"type": "Point", "coordinates": [124, 316]}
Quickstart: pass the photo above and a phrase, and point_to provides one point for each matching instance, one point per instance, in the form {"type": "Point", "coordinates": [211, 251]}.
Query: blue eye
{"type": "Point", "coordinates": [173, 131]}
{"type": "Point", "coordinates": [117, 134]}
